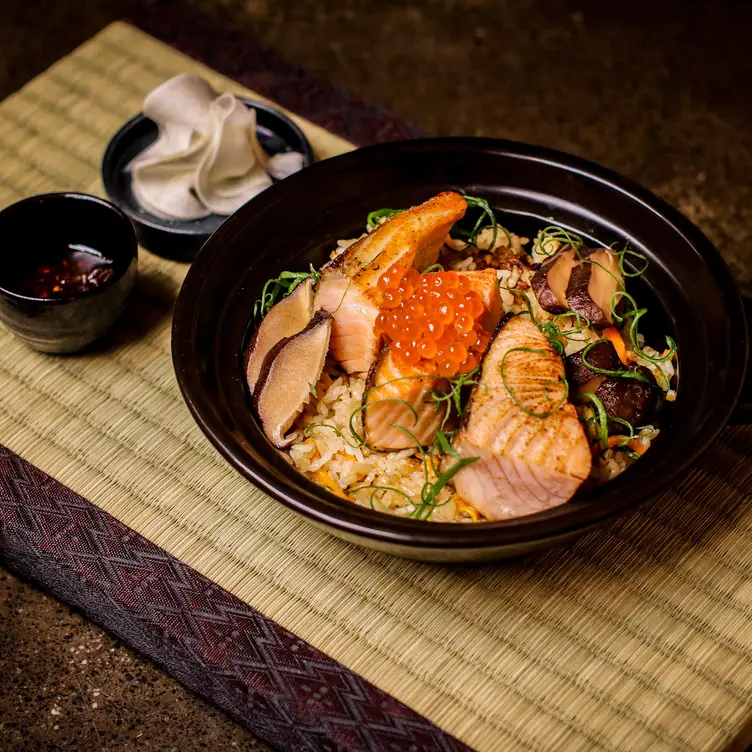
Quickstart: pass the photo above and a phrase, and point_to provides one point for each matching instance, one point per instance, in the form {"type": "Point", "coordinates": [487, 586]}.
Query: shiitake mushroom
{"type": "Point", "coordinates": [550, 282]}
{"type": "Point", "coordinates": [629, 399]}
{"type": "Point", "coordinates": [583, 280]}
{"type": "Point", "coordinates": [289, 316]}
{"type": "Point", "coordinates": [623, 397]}
{"type": "Point", "coordinates": [601, 355]}
{"type": "Point", "coordinates": [592, 286]}
{"type": "Point", "coordinates": [291, 369]}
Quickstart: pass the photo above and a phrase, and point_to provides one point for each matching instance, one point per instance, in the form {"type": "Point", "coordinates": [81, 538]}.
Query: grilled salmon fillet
{"type": "Point", "coordinates": [531, 448]}
{"type": "Point", "coordinates": [348, 287]}
{"type": "Point", "coordinates": [390, 388]}
{"type": "Point", "coordinates": [486, 284]}
{"type": "Point", "coordinates": [393, 385]}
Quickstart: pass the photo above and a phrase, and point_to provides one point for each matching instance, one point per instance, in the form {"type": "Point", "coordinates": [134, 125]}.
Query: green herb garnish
{"type": "Point", "coordinates": [555, 334]}
{"type": "Point", "coordinates": [308, 430]}
{"type": "Point", "coordinates": [601, 416]}
{"type": "Point", "coordinates": [635, 314]}
{"type": "Point", "coordinates": [563, 381]}
{"type": "Point", "coordinates": [486, 220]}
{"type": "Point", "coordinates": [626, 374]}
{"type": "Point", "coordinates": [281, 287]}
{"type": "Point", "coordinates": [626, 251]}
{"type": "Point", "coordinates": [454, 396]}
{"type": "Point", "coordinates": [383, 489]}
{"type": "Point", "coordinates": [431, 490]}
{"type": "Point", "coordinates": [443, 446]}
{"type": "Point", "coordinates": [554, 233]}
{"type": "Point", "coordinates": [373, 218]}
{"type": "Point", "coordinates": [362, 439]}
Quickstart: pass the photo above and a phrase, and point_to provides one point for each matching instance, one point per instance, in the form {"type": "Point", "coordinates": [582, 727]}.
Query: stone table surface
{"type": "Point", "coordinates": [660, 91]}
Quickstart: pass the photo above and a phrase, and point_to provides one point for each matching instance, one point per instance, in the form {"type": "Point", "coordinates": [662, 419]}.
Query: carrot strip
{"type": "Point", "coordinates": [326, 480]}
{"type": "Point", "coordinates": [612, 335]}
{"type": "Point", "coordinates": [463, 506]}
{"type": "Point", "coordinates": [637, 446]}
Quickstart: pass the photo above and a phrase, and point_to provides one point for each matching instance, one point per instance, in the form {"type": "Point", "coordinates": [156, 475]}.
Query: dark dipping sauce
{"type": "Point", "coordinates": [64, 273]}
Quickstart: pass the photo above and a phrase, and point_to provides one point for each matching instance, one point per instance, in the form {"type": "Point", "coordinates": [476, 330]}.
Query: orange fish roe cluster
{"type": "Point", "coordinates": [432, 320]}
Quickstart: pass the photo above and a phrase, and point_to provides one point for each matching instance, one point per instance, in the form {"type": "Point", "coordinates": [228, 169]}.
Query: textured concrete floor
{"type": "Point", "coordinates": [661, 91]}
{"type": "Point", "coordinates": [68, 685]}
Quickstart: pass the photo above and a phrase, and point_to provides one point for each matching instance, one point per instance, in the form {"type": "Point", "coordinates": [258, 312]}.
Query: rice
{"type": "Point", "coordinates": [615, 461]}
{"type": "Point", "coordinates": [543, 248]}
{"type": "Point", "coordinates": [328, 448]}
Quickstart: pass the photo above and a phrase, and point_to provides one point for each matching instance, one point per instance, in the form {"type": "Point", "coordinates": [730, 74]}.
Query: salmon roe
{"type": "Point", "coordinates": [432, 320]}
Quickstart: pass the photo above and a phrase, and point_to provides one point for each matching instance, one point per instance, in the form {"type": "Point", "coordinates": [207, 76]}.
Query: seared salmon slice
{"type": "Point", "coordinates": [390, 388]}
{"type": "Point", "coordinates": [354, 343]}
{"type": "Point", "coordinates": [531, 448]}
{"type": "Point", "coordinates": [486, 284]}
{"type": "Point", "coordinates": [392, 385]}
{"type": "Point", "coordinates": [348, 287]}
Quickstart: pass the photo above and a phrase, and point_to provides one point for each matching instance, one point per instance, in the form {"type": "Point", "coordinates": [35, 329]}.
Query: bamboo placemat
{"type": "Point", "coordinates": [637, 637]}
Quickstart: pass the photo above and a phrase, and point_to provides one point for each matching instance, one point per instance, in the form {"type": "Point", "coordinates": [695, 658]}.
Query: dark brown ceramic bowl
{"type": "Point", "coordinates": [687, 288]}
{"type": "Point", "coordinates": [40, 230]}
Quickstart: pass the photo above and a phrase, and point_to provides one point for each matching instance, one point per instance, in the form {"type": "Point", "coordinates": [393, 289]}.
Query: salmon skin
{"type": "Point", "coordinates": [348, 287]}
{"type": "Point", "coordinates": [393, 385]}
{"type": "Point", "coordinates": [531, 448]}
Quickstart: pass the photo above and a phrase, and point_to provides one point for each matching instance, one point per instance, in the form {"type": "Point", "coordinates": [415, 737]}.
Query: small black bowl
{"type": "Point", "coordinates": [42, 230]}
{"type": "Point", "coordinates": [180, 240]}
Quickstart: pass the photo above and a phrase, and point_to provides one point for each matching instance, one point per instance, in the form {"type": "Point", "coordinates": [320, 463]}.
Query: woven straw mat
{"type": "Point", "coordinates": [638, 637]}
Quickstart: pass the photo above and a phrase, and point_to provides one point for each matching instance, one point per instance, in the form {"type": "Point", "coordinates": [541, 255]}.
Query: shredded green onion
{"type": "Point", "coordinates": [361, 439]}
{"type": "Point", "coordinates": [486, 220]}
{"type": "Point", "coordinates": [636, 254]}
{"type": "Point", "coordinates": [528, 305]}
{"type": "Point", "coordinates": [558, 234]}
{"type": "Point", "coordinates": [601, 415]}
{"type": "Point", "coordinates": [373, 218]}
{"type": "Point", "coordinates": [431, 490]}
{"type": "Point", "coordinates": [308, 430]}
{"type": "Point", "coordinates": [384, 489]}
{"type": "Point", "coordinates": [524, 409]}
{"type": "Point", "coordinates": [636, 314]}
{"type": "Point", "coordinates": [625, 374]}
{"type": "Point", "coordinates": [454, 396]}
{"type": "Point", "coordinates": [281, 287]}
{"type": "Point", "coordinates": [627, 437]}
{"type": "Point", "coordinates": [554, 333]}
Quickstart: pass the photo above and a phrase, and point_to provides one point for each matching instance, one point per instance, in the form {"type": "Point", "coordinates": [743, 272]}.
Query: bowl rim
{"type": "Point", "coordinates": [189, 227]}
{"type": "Point", "coordinates": [120, 265]}
{"type": "Point", "coordinates": [319, 505]}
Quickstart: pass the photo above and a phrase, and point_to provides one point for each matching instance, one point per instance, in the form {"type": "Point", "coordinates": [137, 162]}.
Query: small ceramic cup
{"type": "Point", "coordinates": [43, 229]}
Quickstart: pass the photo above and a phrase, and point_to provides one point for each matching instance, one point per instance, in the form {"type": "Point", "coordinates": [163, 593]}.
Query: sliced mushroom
{"type": "Point", "coordinates": [629, 399]}
{"type": "Point", "coordinates": [550, 281]}
{"type": "Point", "coordinates": [592, 285]}
{"type": "Point", "coordinates": [601, 355]}
{"type": "Point", "coordinates": [290, 370]}
{"type": "Point", "coordinates": [290, 316]}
